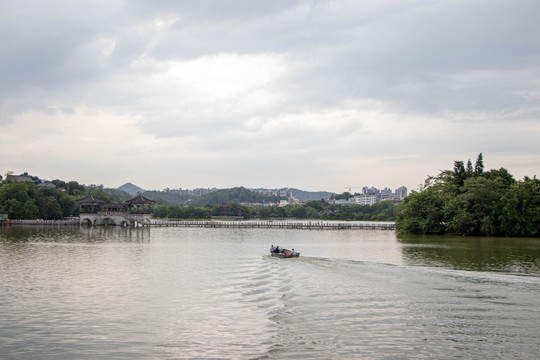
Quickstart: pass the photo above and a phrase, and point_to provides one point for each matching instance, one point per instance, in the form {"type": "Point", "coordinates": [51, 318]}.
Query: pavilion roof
{"type": "Point", "coordinates": [111, 205]}
{"type": "Point", "coordinates": [91, 200]}
{"type": "Point", "coordinates": [140, 200]}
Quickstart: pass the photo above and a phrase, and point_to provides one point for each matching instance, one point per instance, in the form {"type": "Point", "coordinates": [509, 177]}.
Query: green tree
{"type": "Point", "coordinates": [344, 196]}
{"type": "Point", "coordinates": [315, 204]}
{"type": "Point", "coordinates": [59, 184]}
{"type": "Point", "coordinates": [460, 174]}
{"type": "Point", "coordinates": [520, 209]}
{"type": "Point", "coordinates": [74, 188]}
{"type": "Point", "coordinates": [424, 212]}
{"type": "Point", "coordinates": [68, 205]}
{"type": "Point", "coordinates": [479, 166]}
{"type": "Point", "coordinates": [65, 202]}
{"type": "Point", "coordinates": [49, 208]}
{"type": "Point", "coordinates": [100, 194]}
{"type": "Point", "coordinates": [474, 208]}
{"type": "Point", "coordinates": [299, 212]}
{"type": "Point", "coordinates": [502, 175]}
{"type": "Point", "coordinates": [16, 200]}
{"type": "Point", "coordinates": [13, 207]}
{"type": "Point", "coordinates": [488, 203]}
{"type": "Point", "coordinates": [265, 212]}
{"type": "Point", "coordinates": [312, 212]}
{"type": "Point", "coordinates": [29, 210]}
{"type": "Point", "coordinates": [197, 212]}
{"type": "Point", "coordinates": [383, 211]}
{"type": "Point", "coordinates": [160, 211]}
{"type": "Point", "coordinates": [177, 212]}
{"type": "Point", "coordinates": [469, 170]}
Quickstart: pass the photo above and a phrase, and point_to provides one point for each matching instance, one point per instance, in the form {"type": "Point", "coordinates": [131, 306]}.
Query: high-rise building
{"type": "Point", "coordinates": [401, 192]}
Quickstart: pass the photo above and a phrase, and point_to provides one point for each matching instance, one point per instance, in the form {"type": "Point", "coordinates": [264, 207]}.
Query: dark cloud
{"type": "Point", "coordinates": [405, 53]}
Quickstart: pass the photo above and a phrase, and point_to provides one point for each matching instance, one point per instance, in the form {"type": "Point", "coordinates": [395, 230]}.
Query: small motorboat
{"type": "Point", "coordinates": [285, 253]}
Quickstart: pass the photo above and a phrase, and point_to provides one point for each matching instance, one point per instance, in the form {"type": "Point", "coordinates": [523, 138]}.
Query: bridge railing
{"type": "Point", "coordinates": [322, 225]}
{"type": "Point", "coordinates": [73, 221]}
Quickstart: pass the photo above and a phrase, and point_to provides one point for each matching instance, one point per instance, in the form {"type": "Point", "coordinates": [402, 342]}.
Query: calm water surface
{"type": "Point", "coordinates": [172, 293]}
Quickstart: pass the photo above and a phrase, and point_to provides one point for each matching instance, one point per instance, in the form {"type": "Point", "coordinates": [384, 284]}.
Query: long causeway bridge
{"type": "Point", "coordinates": [246, 224]}
{"type": "Point", "coordinates": [316, 225]}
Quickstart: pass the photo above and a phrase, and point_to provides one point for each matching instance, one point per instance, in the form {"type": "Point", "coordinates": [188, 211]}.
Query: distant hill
{"type": "Point", "coordinates": [223, 196]}
{"type": "Point", "coordinates": [165, 198]}
{"type": "Point", "coordinates": [237, 195]}
{"type": "Point", "coordinates": [131, 189]}
{"type": "Point", "coordinates": [310, 195]}
{"type": "Point", "coordinates": [116, 195]}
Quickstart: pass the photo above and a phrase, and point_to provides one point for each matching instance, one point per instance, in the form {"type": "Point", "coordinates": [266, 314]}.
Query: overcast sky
{"type": "Point", "coordinates": [318, 95]}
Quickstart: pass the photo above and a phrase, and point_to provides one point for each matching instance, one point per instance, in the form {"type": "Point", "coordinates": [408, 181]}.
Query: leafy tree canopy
{"type": "Point", "coordinates": [486, 203]}
{"type": "Point", "coordinates": [27, 200]}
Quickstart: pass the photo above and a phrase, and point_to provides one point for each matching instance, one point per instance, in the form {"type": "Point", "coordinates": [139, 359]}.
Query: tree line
{"type": "Point", "coordinates": [470, 201]}
{"type": "Point", "coordinates": [315, 209]}
{"type": "Point", "coordinates": [27, 200]}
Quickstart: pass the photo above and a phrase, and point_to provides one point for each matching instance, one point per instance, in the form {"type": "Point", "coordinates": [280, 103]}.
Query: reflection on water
{"type": "Point", "coordinates": [511, 255]}
{"type": "Point", "coordinates": [59, 234]}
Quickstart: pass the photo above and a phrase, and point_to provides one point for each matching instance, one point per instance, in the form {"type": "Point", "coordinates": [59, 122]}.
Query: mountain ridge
{"type": "Point", "coordinates": [301, 195]}
{"type": "Point", "coordinates": [131, 189]}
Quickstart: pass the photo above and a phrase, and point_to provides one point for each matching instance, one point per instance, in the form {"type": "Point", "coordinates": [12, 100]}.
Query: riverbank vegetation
{"type": "Point", "coordinates": [315, 209]}
{"type": "Point", "coordinates": [471, 201]}
{"type": "Point", "coordinates": [56, 200]}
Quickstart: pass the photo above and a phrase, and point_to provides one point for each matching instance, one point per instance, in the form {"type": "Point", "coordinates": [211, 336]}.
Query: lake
{"type": "Point", "coordinates": [196, 293]}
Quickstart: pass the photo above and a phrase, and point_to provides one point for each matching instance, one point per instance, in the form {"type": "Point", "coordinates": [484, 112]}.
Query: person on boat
{"type": "Point", "coordinates": [292, 253]}
{"type": "Point", "coordinates": [276, 250]}
{"type": "Point", "coordinates": [272, 248]}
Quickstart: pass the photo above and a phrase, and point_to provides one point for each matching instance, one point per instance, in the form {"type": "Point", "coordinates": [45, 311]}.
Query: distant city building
{"type": "Point", "coordinates": [178, 191]}
{"type": "Point", "coordinates": [370, 191]}
{"type": "Point", "coordinates": [194, 192]}
{"type": "Point", "coordinates": [275, 192]}
{"type": "Point", "coordinates": [401, 192]}
{"type": "Point", "coordinates": [356, 200]}
{"type": "Point", "coordinates": [350, 201]}
{"type": "Point", "coordinates": [365, 199]}
{"type": "Point", "coordinates": [386, 194]}
{"type": "Point", "coordinates": [201, 191]}
{"type": "Point", "coordinates": [372, 195]}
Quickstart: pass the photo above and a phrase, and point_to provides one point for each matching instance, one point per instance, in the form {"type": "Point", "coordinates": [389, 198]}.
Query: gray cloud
{"type": "Point", "coordinates": [403, 52]}
{"type": "Point", "coordinates": [297, 79]}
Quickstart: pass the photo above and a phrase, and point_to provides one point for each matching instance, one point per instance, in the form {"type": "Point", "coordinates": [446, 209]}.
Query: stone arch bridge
{"type": "Point", "coordinates": [134, 212]}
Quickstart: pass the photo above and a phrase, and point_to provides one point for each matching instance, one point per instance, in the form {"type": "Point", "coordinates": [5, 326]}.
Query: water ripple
{"type": "Point", "coordinates": [206, 293]}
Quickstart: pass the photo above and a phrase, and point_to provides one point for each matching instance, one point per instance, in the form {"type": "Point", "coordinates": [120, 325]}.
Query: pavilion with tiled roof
{"type": "Point", "coordinates": [90, 204]}
{"type": "Point", "coordinates": [140, 205]}
{"type": "Point", "coordinates": [95, 211]}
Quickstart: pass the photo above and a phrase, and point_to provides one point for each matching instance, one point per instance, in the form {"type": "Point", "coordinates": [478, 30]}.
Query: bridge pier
{"type": "Point", "coordinates": [119, 219]}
